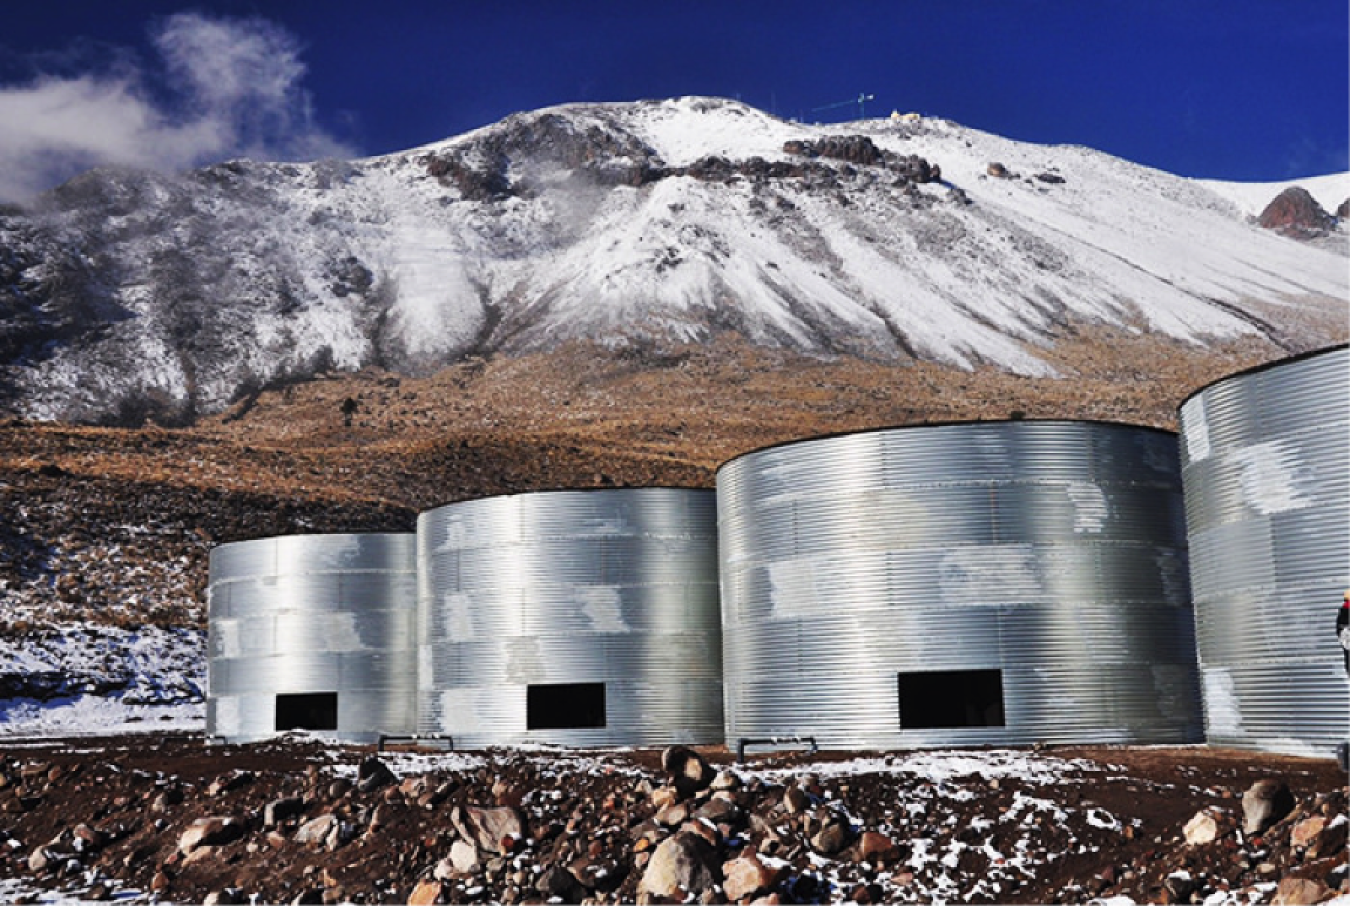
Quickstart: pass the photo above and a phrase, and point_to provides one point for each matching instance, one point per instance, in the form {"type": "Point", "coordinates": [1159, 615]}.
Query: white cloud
{"type": "Point", "coordinates": [234, 88]}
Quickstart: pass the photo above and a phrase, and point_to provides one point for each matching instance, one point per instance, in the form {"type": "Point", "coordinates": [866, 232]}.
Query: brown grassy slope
{"type": "Point", "coordinates": [585, 417]}
{"type": "Point", "coordinates": [115, 524]}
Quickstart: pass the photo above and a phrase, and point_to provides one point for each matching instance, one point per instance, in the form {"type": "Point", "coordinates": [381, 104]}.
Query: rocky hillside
{"type": "Point", "coordinates": [126, 296]}
{"type": "Point", "coordinates": [289, 822]}
{"type": "Point", "coordinates": [114, 525]}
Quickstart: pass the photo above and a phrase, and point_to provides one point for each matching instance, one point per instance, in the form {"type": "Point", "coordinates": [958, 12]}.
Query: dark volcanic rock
{"type": "Point", "coordinates": [861, 151]}
{"type": "Point", "coordinates": [1295, 212]}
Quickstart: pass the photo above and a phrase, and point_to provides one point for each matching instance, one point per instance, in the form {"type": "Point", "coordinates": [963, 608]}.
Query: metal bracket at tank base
{"type": "Point", "coordinates": [744, 743]}
{"type": "Point", "coordinates": [415, 737]}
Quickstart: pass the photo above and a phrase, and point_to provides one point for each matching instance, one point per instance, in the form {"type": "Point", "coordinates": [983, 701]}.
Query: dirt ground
{"type": "Point", "coordinates": [107, 817]}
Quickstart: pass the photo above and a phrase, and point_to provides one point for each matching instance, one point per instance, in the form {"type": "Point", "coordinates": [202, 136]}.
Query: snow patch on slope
{"type": "Point", "coordinates": [85, 679]}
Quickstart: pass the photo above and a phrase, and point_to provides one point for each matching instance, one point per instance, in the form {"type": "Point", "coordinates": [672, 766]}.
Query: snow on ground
{"type": "Point", "coordinates": [83, 679]}
{"type": "Point", "coordinates": [383, 261]}
{"type": "Point", "coordinates": [95, 715]}
{"type": "Point", "coordinates": [1251, 198]}
{"type": "Point", "coordinates": [17, 890]}
{"type": "Point", "coordinates": [944, 766]}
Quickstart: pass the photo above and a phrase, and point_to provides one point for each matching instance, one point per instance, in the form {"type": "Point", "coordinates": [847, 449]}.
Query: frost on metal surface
{"type": "Point", "coordinates": [313, 615]}
{"type": "Point", "coordinates": [1194, 430]}
{"type": "Point", "coordinates": [550, 593]}
{"type": "Point", "coordinates": [989, 573]}
{"type": "Point", "coordinates": [793, 592]}
{"type": "Point", "coordinates": [1274, 477]}
{"type": "Point", "coordinates": [1268, 520]}
{"type": "Point", "coordinates": [1032, 570]}
{"type": "Point", "coordinates": [1090, 508]}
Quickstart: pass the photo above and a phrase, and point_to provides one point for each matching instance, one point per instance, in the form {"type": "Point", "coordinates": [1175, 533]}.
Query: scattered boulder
{"type": "Point", "coordinates": [747, 876]}
{"type": "Point", "coordinates": [1331, 839]}
{"type": "Point", "coordinates": [86, 837]}
{"type": "Point", "coordinates": [593, 835]}
{"type": "Point", "coordinates": [1306, 832]}
{"type": "Point", "coordinates": [167, 799]}
{"type": "Point", "coordinates": [1343, 210]}
{"type": "Point", "coordinates": [681, 865]}
{"type": "Point", "coordinates": [1265, 803]}
{"type": "Point", "coordinates": [726, 781]}
{"type": "Point", "coordinates": [672, 815]}
{"type": "Point", "coordinates": [488, 828]}
{"type": "Point", "coordinates": [1179, 886]}
{"type": "Point", "coordinates": [39, 859]}
{"type": "Point", "coordinates": [1203, 828]}
{"type": "Point", "coordinates": [997, 170]}
{"type": "Point", "coordinates": [833, 837]}
{"type": "Point", "coordinates": [464, 857]}
{"type": "Point", "coordinates": [374, 775]}
{"type": "Point", "coordinates": [228, 783]}
{"type": "Point", "coordinates": [663, 796]}
{"type": "Point", "coordinates": [1300, 892]}
{"type": "Point", "coordinates": [719, 811]}
{"type": "Point", "coordinates": [689, 772]}
{"type": "Point", "coordinates": [316, 831]}
{"type": "Point", "coordinates": [427, 892]}
{"type": "Point", "coordinates": [874, 845]}
{"type": "Point", "coordinates": [557, 881]}
{"type": "Point", "coordinates": [1294, 212]}
{"type": "Point", "coordinates": [795, 800]}
{"type": "Point", "coordinates": [212, 831]}
{"type": "Point", "coordinates": [278, 810]}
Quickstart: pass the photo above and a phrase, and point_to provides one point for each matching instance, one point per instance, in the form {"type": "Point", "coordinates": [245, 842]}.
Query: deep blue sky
{"type": "Point", "coordinates": [1243, 89]}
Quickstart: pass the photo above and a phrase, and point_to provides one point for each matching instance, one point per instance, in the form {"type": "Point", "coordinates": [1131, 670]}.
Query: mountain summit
{"type": "Point", "coordinates": [125, 294]}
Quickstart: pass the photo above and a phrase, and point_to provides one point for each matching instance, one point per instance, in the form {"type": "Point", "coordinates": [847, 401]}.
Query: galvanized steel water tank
{"type": "Point", "coordinates": [582, 618]}
{"type": "Point", "coordinates": [1266, 464]}
{"type": "Point", "coordinates": [313, 632]}
{"type": "Point", "coordinates": [1001, 582]}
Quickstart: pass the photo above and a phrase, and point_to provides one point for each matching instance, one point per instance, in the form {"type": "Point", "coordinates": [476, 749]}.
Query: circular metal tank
{"type": "Point", "coordinates": [1266, 465]}
{"type": "Point", "coordinates": [982, 583]}
{"type": "Point", "coordinates": [314, 632]}
{"type": "Point", "coordinates": [579, 618]}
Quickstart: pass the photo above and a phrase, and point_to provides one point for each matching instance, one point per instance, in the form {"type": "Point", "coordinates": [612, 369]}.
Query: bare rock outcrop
{"type": "Point", "coordinates": [1294, 212]}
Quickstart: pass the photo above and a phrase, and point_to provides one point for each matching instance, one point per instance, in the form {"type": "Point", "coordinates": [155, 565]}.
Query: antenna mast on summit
{"type": "Point", "coordinates": [861, 100]}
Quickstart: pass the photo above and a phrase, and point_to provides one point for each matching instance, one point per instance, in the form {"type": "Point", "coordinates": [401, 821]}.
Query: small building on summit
{"type": "Point", "coordinates": [579, 618]}
{"type": "Point", "coordinates": [999, 583]}
{"type": "Point", "coordinates": [1266, 463]}
{"type": "Point", "coordinates": [313, 632]}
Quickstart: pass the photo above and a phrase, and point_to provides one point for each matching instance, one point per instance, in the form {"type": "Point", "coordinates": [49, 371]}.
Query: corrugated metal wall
{"type": "Point", "coordinates": [313, 614]}
{"type": "Point", "coordinates": [1266, 464]}
{"type": "Point", "coordinates": [613, 587]}
{"type": "Point", "coordinates": [1050, 555]}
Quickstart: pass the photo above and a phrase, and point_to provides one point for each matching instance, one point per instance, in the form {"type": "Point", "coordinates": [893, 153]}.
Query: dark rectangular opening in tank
{"type": "Point", "coordinates": [943, 699]}
{"type": "Point", "coordinates": [307, 711]}
{"type": "Point", "coordinates": [565, 706]}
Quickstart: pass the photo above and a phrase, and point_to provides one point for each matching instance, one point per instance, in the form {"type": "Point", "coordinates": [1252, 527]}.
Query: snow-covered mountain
{"type": "Point", "coordinates": [124, 294]}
